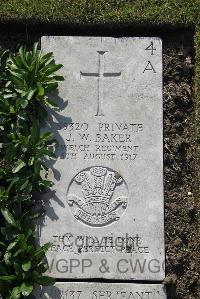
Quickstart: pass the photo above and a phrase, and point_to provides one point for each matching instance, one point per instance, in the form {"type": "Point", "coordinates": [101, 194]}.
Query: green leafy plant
{"type": "Point", "coordinates": [33, 75]}
{"type": "Point", "coordinates": [23, 261]}
{"type": "Point", "coordinates": [25, 80]}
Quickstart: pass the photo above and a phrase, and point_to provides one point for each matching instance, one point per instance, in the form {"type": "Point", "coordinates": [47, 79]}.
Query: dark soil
{"type": "Point", "coordinates": [180, 171]}
{"type": "Point", "coordinates": [180, 162]}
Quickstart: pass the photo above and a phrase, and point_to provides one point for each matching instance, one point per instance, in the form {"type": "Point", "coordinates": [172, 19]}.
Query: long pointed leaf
{"type": "Point", "coordinates": [9, 217]}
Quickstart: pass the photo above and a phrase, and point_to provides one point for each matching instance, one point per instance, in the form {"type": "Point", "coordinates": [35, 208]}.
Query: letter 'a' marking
{"type": "Point", "coordinates": [149, 67]}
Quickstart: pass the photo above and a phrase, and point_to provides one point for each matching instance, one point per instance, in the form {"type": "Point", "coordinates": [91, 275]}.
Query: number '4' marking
{"type": "Point", "coordinates": [151, 48]}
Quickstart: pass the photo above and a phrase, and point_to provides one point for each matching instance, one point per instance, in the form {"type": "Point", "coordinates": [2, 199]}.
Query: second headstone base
{"type": "Point", "coordinates": [91, 290]}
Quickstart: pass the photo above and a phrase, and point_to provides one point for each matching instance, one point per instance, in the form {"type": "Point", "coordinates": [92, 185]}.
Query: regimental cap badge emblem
{"type": "Point", "coordinates": [97, 196]}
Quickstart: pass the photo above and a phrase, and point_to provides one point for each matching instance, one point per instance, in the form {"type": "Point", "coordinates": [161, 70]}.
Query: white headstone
{"type": "Point", "coordinates": [88, 290]}
{"type": "Point", "coordinates": [104, 215]}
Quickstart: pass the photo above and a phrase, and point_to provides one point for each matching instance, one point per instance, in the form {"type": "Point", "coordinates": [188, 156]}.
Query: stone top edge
{"type": "Point", "coordinates": [105, 283]}
{"type": "Point", "coordinates": [102, 37]}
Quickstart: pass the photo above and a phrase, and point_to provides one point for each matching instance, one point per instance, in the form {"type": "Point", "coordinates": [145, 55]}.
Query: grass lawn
{"type": "Point", "coordinates": [103, 11]}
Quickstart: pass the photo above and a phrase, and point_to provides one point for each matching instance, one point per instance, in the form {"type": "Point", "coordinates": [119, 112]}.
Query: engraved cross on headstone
{"type": "Point", "coordinates": [100, 76]}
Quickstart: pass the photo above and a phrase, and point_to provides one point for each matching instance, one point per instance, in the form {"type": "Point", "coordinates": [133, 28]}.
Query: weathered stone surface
{"type": "Point", "coordinates": [88, 290]}
{"type": "Point", "coordinates": [104, 215]}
